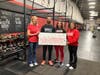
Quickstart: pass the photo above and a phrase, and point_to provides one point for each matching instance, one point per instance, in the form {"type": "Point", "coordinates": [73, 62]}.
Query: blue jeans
{"type": "Point", "coordinates": [32, 52]}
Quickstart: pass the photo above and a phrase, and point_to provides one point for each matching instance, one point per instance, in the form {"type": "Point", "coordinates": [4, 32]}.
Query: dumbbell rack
{"type": "Point", "coordinates": [11, 48]}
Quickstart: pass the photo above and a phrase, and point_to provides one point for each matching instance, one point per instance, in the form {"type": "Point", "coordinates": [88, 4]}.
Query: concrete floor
{"type": "Point", "coordinates": [88, 61]}
{"type": "Point", "coordinates": [89, 48]}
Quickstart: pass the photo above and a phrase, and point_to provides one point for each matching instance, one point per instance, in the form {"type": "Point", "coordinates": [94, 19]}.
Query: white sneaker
{"type": "Point", "coordinates": [71, 68]}
{"type": "Point", "coordinates": [62, 64]}
{"type": "Point", "coordinates": [35, 63]}
{"type": "Point", "coordinates": [67, 65]}
{"type": "Point", "coordinates": [31, 65]}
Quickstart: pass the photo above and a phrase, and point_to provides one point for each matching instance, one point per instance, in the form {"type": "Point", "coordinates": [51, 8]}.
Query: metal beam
{"type": "Point", "coordinates": [54, 12]}
{"type": "Point", "coordinates": [43, 9]}
{"type": "Point", "coordinates": [24, 29]}
{"type": "Point", "coordinates": [45, 13]}
{"type": "Point", "coordinates": [5, 0]}
{"type": "Point", "coordinates": [32, 6]}
{"type": "Point", "coordinates": [72, 13]}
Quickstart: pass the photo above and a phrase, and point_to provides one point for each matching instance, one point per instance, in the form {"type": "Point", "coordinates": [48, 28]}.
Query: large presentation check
{"type": "Point", "coordinates": [52, 39]}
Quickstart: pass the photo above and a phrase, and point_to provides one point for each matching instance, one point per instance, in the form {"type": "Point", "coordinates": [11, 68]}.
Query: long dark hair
{"type": "Point", "coordinates": [48, 22]}
{"type": "Point", "coordinates": [58, 26]}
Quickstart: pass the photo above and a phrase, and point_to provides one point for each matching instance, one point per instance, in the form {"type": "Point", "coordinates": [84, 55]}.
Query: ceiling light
{"type": "Point", "coordinates": [91, 11]}
{"type": "Point", "coordinates": [91, 17]}
{"type": "Point", "coordinates": [30, 0]}
{"type": "Point", "coordinates": [92, 3]}
{"type": "Point", "coordinates": [91, 7]}
{"type": "Point", "coordinates": [91, 0]}
{"type": "Point", "coordinates": [94, 14]}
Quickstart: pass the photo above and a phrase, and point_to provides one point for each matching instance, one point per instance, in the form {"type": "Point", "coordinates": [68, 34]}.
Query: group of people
{"type": "Point", "coordinates": [72, 42]}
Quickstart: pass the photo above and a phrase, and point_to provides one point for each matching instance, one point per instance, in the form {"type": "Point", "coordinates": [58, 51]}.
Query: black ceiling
{"type": "Point", "coordinates": [84, 8]}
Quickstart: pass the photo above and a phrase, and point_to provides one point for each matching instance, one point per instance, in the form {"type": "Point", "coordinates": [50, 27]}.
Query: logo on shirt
{"type": "Point", "coordinates": [70, 34]}
{"type": "Point", "coordinates": [59, 31]}
{"type": "Point", "coordinates": [48, 30]}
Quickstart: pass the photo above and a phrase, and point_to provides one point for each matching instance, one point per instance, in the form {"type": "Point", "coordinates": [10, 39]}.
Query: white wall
{"type": "Point", "coordinates": [60, 5]}
{"type": "Point", "coordinates": [76, 13]}
{"type": "Point", "coordinates": [90, 24]}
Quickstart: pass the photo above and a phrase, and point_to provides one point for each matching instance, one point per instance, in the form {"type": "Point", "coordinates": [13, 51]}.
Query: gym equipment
{"type": "Point", "coordinates": [94, 35]}
{"type": "Point", "coordinates": [11, 46]}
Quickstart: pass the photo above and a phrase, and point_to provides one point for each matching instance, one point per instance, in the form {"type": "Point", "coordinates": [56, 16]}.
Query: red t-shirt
{"type": "Point", "coordinates": [33, 29]}
{"type": "Point", "coordinates": [73, 37]}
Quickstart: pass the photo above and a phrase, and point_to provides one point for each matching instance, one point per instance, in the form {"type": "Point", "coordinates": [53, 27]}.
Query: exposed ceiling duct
{"type": "Point", "coordinates": [86, 6]}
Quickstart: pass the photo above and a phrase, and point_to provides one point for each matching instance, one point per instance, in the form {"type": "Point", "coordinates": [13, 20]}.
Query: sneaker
{"type": "Point", "coordinates": [31, 65]}
{"type": "Point", "coordinates": [43, 62]}
{"type": "Point", "coordinates": [56, 61]}
{"type": "Point", "coordinates": [74, 65]}
{"type": "Point", "coordinates": [71, 68]}
{"type": "Point", "coordinates": [67, 65]}
{"type": "Point", "coordinates": [35, 63]}
{"type": "Point", "coordinates": [61, 64]}
{"type": "Point", "coordinates": [50, 63]}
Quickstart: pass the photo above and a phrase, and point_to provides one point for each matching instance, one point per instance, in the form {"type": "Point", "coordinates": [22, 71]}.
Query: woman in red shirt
{"type": "Point", "coordinates": [72, 41]}
{"type": "Point", "coordinates": [32, 33]}
{"type": "Point", "coordinates": [59, 49]}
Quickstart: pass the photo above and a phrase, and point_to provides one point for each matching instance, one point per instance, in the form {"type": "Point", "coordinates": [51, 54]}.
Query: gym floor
{"type": "Point", "coordinates": [88, 60]}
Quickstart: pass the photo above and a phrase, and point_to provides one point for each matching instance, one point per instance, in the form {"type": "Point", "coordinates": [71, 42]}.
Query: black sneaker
{"type": "Point", "coordinates": [56, 61]}
{"type": "Point", "coordinates": [74, 66]}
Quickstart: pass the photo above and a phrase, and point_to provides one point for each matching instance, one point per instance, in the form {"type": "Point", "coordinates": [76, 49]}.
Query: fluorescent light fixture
{"type": "Point", "coordinates": [94, 14]}
{"type": "Point", "coordinates": [91, 11]}
{"type": "Point", "coordinates": [91, 0]}
{"type": "Point", "coordinates": [92, 3]}
{"type": "Point", "coordinates": [91, 7]}
{"type": "Point", "coordinates": [30, 0]}
{"type": "Point", "coordinates": [91, 17]}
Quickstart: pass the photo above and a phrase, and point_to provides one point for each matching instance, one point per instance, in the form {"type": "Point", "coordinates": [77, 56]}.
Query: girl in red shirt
{"type": "Point", "coordinates": [32, 33]}
{"type": "Point", "coordinates": [72, 41]}
{"type": "Point", "coordinates": [59, 49]}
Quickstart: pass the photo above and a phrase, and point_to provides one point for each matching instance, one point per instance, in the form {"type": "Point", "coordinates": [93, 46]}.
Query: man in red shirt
{"type": "Point", "coordinates": [72, 41]}
{"type": "Point", "coordinates": [32, 33]}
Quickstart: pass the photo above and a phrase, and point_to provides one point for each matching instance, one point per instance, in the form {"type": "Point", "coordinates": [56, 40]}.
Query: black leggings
{"type": "Point", "coordinates": [49, 47]}
{"type": "Point", "coordinates": [73, 55]}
